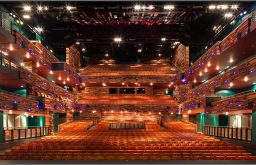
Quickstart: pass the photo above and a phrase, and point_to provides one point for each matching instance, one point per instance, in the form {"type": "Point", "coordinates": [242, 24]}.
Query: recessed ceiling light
{"type": "Point", "coordinates": [117, 39]}
{"type": "Point", "coordinates": [25, 16]}
{"type": "Point", "coordinates": [228, 15]}
{"type": "Point", "coordinates": [163, 39]}
{"type": "Point", "coordinates": [168, 7]}
{"type": "Point", "coordinates": [27, 8]}
{"type": "Point", "coordinates": [39, 8]}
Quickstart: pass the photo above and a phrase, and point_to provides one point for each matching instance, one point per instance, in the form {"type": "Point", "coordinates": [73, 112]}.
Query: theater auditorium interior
{"type": "Point", "coordinates": [128, 81]}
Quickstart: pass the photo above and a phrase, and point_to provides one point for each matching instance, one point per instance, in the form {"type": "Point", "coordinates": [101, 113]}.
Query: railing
{"type": "Point", "coordinates": [127, 126]}
{"type": "Point", "coordinates": [25, 133]}
{"type": "Point", "coordinates": [243, 134]}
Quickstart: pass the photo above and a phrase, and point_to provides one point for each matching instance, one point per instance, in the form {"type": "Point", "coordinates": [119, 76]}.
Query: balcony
{"type": "Point", "coordinates": [12, 101]}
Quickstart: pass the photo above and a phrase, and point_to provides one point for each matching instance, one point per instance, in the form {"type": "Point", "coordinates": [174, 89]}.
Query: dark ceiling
{"type": "Point", "coordinates": [95, 24]}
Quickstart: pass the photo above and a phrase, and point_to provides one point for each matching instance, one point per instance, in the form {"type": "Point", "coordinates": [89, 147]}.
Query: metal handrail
{"type": "Point", "coordinates": [243, 134]}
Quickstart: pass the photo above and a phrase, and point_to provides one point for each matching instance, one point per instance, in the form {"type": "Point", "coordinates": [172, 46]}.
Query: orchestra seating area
{"type": "Point", "coordinates": [179, 142]}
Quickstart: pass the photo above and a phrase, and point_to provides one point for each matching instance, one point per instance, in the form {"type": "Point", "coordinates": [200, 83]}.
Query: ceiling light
{"type": "Point", "coordinates": [217, 67]}
{"type": "Point", "coordinates": [68, 79]}
{"type": "Point", "coordinates": [22, 86]}
{"type": "Point", "coordinates": [27, 8]}
{"type": "Point", "coordinates": [234, 7]}
{"type": "Point", "coordinates": [46, 8]}
{"type": "Point", "coordinates": [168, 7]}
{"type": "Point", "coordinates": [212, 7]}
{"type": "Point", "coordinates": [27, 55]}
{"type": "Point", "coordinates": [137, 7]}
{"type": "Point", "coordinates": [224, 7]}
{"type": "Point", "coordinates": [106, 54]}
{"type": "Point", "coordinates": [151, 84]}
{"type": "Point", "coordinates": [228, 15]}
{"type": "Point", "coordinates": [231, 84]}
{"type": "Point", "coordinates": [163, 39]}
{"type": "Point", "coordinates": [200, 74]}
{"type": "Point", "coordinates": [59, 78]}
{"type": "Point", "coordinates": [104, 84]}
{"type": "Point", "coordinates": [69, 8]}
{"type": "Point", "coordinates": [194, 81]}
{"type": "Point", "coordinates": [159, 54]}
{"type": "Point", "coordinates": [64, 82]}
{"type": "Point", "coordinates": [226, 113]}
{"type": "Point", "coordinates": [139, 50]}
{"type": "Point", "coordinates": [151, 7]}
{"type": "Point", "coordinates": [11, 47]}
{"type": "Point", "coordinates": [214, 28]}
{"type": "Point", "coordinates": [169, 85]}
{"type": "Point", "coordinates": [189, 111]}
{"type": "Point", "coordinates": [136, 83]}
{"type": "Point", "coordinates": [25, 16]}
{"type": "Point", "coordinates": [205, 70]}
{"type": "Point", "coordinates": [37, 64]}
{"type": "Point", "coordinates": [231, 60]}
{"type": "Point", "coordinates": [39, 29]}
{"type": "Point", "coordinates": [123, 83]}
{"type": "Point", "coordinates": [83, 49]}
{"type": "Point", "coordinates": [22, 64]}
{"type": "Point", "coordinates": [117, 39]}
{"type": "Point", "coordinates": [39, 8]}
{"type": "Point", "coordinates": [51, 72]}
{"type": "Point", "coordinates": [208, 64]}
{"type": "Point", "coordinates": [245, 78]}
{"type": "Point", "coordinates": [77, 43]}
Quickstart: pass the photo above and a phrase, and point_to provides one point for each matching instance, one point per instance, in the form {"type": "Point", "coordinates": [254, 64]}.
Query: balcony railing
{"type": "Point", "coordinates": [243, 134]}
{"type": "Point", "coordinates": [25, 133]}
